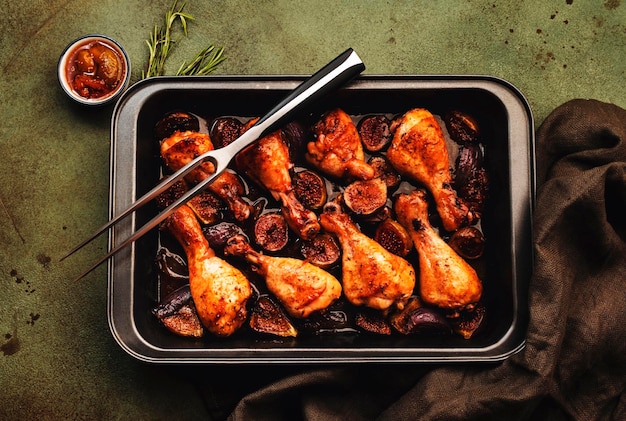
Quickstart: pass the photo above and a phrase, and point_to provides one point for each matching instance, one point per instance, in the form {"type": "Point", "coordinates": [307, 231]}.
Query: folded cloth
{"type": "Point", "coordinates": [574, 363]}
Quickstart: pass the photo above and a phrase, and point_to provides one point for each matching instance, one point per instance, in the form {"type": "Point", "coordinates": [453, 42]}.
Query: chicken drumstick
{"type": "Point", "coordinates": [338, 151]}
{"type": "Point", "coordinates": [301, 287]}
{"type": "Point", "coordinates": [445, 279]}
{"type": "Point", "coordinates": [219, 290]}
{"type": "Point", "coordinates": [418, 150]}
{"type": "Point", "coordinates": [267, 162]}
{"type": "Point", "coordinates": [183, 147]}
{"type": "Point", "coordinates": [371, 275]}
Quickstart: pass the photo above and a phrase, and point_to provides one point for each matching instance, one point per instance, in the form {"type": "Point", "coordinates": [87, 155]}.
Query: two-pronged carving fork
{"type": "Point", "coordinates": [339, 71]}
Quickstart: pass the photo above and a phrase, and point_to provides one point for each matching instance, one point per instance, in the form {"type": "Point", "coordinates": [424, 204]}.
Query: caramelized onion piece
{"type": "Point", "coordinates": [333, 319]}
{"type": "Point", "coordinates": [176, 121]}
{"type": "Point", "coordinates": [296, 136]}
{"type": "Point", "coordinates": [468, 242]}
{"type": "Point", "coordinates": [377, 217]}
{"type": "Point", "coordinates": [415, 318]}
{"type": "Point", "coordinates": [365, 197]}
{"type": "Point", "coordinates": [462, 127]}
{"type": "Point", "coordinates": [384, 170]}
{"type": "Point", "coordinates": [469, 160]}
{"type": "Point", "coordinates": [178, 314]}
{"type": "Point", "coordinates": [393, 237]}
{"type": "Point", "coordinates": [225, 130]}
{"type": "Point", "coordinates": [218, 235]}
{"type": "Point", "coordinates": [268, 317]}
{"type": "Point", "coordinates": [271, 231]}
{"type": "Point", "coordinates": [471, 180]}
{"type": "Point", "coordinates": [322, 251]}
{"type": "Point", "coordinates": [374, 132]}
{"type": "Point", "coordinates": [310, 189]}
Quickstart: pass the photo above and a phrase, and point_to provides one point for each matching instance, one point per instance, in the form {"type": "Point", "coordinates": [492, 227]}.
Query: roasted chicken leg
{"type": "Point", "coordinates": [371, 275]}
{"type": "Point", "coordinates": [418, 150]}
{"type": "Point", "coordinates": [183, 147]}
{"type": "Point", "coordinates": [337, 150]}
{"type": "Point", "coordinates": [219, 291]}
{"type": "Point", "coordinates": [445, 279]}
{"type": "Point", "coordinates": [267, 162]}
{"type": "Point", "coordinates": [301, 287]}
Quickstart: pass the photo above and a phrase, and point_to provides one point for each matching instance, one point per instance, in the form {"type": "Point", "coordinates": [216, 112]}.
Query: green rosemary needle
{"type": "Point", "coordinates": [204, 63]}
{"type": "Point", "coordinates": [161, 43]}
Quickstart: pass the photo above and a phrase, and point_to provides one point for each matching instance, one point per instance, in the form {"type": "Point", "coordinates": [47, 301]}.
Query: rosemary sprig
{"type": "Point", "coordinates": [204, 63]}
{"type": "Point", "coordinates": [161, 43]}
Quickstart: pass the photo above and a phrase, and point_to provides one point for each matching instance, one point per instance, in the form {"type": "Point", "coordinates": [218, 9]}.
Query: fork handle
{"type": "Point", "coordinates": [336, 73]}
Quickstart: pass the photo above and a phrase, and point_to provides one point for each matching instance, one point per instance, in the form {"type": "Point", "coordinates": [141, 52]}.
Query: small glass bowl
{"type": "Point", "coordinates": [94, 70]}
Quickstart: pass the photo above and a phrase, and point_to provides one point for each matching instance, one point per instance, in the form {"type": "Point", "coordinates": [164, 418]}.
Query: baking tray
{"type": "Point", "coordinates": [507, 127]}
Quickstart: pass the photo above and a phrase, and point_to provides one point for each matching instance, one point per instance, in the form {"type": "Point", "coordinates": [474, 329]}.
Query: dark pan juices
{"type": "Point", "coordinates": [341, 317]}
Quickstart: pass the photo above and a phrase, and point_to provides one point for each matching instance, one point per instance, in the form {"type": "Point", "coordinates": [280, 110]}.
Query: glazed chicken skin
{"type": "Point", "coordinates": [301, 287]}
{"type": "Point", "coordinates": [418, 150]}
{"type": "Point", "coordinates": [183, 147]}
{"type": "Point", "coordinates": [219, 291]}
{"type": "Point", "coordinates": [337, 150]}
{"type": "Point", "coordinates": [371, 275]}
{"type": "Point", "coordinates": [267, 162]}
{"type": "Point", "coordinates": [445, 279]}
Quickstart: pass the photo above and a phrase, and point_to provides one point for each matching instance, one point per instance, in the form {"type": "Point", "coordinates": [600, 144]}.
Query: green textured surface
{"type": "Point", "coordinates": [58, 359]}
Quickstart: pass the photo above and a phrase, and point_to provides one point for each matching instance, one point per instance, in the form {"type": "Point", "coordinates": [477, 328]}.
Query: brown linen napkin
{"type": "Point", "coordinates": [574, 362]}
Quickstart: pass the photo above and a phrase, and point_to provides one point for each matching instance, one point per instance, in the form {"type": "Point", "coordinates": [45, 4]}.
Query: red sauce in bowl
{"type": "Point", "coordinates": [93, 69]}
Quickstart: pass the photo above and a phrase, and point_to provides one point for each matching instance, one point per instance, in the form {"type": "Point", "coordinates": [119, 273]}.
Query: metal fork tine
{"type": "Point", "coordinates": [160, 188]}
{"type": "Point", "coordinates": [220, 166]}
{"type": "Point", "coordinates": [343, 68]}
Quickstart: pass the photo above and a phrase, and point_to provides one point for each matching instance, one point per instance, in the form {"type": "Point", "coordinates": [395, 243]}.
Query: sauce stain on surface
{"type": "Point", "coordinates": [12, 344]}
{"type": "Point", "coordinates": [33, 318]}
{"type": "Point", "coordinates": [19, 279]}
{"type": "Point", "coordinates": [44, 260]}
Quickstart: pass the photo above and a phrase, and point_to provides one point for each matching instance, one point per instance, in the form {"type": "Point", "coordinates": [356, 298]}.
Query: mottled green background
{"type": "Point", "coordinates": [58, 359]}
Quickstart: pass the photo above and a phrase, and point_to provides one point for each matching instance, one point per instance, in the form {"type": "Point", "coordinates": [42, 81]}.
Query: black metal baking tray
{"type": "Point", "coordinates": [507, 126]}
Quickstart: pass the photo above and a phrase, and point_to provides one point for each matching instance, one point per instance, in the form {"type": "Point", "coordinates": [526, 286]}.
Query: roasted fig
{"type": "Point", "coordinates": [365, 197]}
{"type": "Point", "coordinates": [322, 251]}
{"type": "Point", "coordinates": [268, 317]}
{"type": "Point", "coordinates": [310, 189]}
{"type": "Point", "coordinates": [374, 132]}
{"type": "Point", "coordinates": [415, 318]}
{"type": "Point", "coordinates": [217, 235]}
{"type": "Point", "coordinates": [178, 314]}
{"type": "Point", "coordinates": [384, 170]}
{"type": "Point", "coordinates": [225, 130]}
{"type": "Point", "coordinates": [271, 231]}
{"type": "Point", "coordinates": [393, 237]}
{"type": "Point", "coordinates": [206, 206]}
{"type": "Point", "coordinates": [176, 121]}
{"type": "Point", "coordinates": [468, 242]}
{"type": "Point", "coordinates": [172, 194]}
{"type": "Point", "coordinates": [469, 321]}
{"type": "Point", "coordinates": [373, 322]}
{"type": "Point", "coordinates": [462, 127]}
